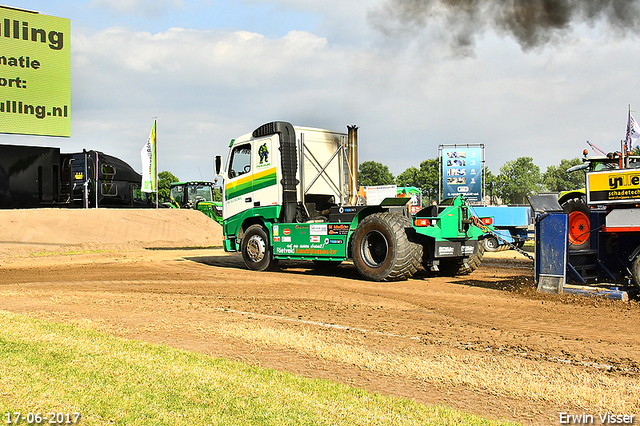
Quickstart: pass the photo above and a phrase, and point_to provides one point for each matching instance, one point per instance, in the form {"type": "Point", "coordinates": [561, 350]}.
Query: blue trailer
{"type": "Point", "coordinates": [511, 225]}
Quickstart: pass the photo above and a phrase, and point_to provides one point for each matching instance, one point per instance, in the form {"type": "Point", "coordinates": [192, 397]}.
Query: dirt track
{"type": "Point", "coordinates": [205, 300]}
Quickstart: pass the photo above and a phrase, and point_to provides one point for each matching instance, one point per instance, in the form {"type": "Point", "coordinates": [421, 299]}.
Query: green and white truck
{"type": "Point", "coordinates": [290, 192]}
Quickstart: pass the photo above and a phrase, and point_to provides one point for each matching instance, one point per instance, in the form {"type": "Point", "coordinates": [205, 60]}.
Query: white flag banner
{"type": "Point", "coordinates": [633, 130]}
{"type": "Point", "coordinates": [148, 157]}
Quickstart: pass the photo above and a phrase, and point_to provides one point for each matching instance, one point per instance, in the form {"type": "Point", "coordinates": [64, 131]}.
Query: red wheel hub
{"type": "Point", "coordinates": [579, 228]}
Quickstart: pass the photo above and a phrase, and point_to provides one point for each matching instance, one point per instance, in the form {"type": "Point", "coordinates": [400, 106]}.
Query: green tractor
{"type": "Point", "coordinates": [198, 196]}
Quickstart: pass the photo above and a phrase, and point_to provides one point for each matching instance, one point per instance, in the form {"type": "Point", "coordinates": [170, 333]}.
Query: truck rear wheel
{"type": "Point", "coordinates": [382, 250]}
{"type": "Point", "coordinates": [462, 266]}
{"type": "Point", "coordinates": [256, 250]}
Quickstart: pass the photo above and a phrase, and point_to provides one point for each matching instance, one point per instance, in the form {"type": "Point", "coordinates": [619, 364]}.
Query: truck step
{"type": "Point", "coordinates": [584, 266]}
{"type": "Point", "coordinates": [589, 277]}
{"type": "Point", "coordinates": [583, 258]}
{"type": "Point", "coordinates": [583, 251]}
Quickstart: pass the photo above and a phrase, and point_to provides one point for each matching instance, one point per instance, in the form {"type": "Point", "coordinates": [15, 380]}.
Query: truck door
{"type": "Point", "coordinates": [251, 179]}
{"type": "Point", "coordinates": [238, 188]}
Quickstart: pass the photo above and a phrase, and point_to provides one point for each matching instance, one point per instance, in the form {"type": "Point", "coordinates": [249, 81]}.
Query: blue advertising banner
{"type": "Point", "coordinates": [462, 172]}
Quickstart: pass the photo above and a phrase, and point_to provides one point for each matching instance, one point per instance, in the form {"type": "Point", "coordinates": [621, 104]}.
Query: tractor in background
{"type": "Point", "coordinates": [197, 195]}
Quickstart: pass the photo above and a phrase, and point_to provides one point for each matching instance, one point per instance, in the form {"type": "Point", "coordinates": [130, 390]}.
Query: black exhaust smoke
{"type": "Point", "coordinates": [532, 23]}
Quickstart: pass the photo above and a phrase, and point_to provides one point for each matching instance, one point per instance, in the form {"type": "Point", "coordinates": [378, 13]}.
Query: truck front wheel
{"type": "Point", "coordinates": [381, 249]}
{"type": "Point", "coordinates": [256, 250]}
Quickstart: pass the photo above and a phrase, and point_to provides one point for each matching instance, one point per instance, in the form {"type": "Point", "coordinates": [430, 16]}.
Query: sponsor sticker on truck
{"type": "Point", "coordinates": [341, 229]}
{"type": "Point", "coordinates": [613, 186]}
{"type": "Point", "coordinates": [318, 229]}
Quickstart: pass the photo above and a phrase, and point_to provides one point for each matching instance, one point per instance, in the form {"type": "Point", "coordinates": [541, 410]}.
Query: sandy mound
{"type": "Point", "coordinates": [56, 230]}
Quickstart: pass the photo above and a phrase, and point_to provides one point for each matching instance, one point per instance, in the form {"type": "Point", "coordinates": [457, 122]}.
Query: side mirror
{"type": "Point", "coordinates": [218, 161]}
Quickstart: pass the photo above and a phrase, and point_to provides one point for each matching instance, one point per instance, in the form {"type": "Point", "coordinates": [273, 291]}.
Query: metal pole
{"type": "Point", "coordinates": [155, 156]}
{"type": "Point", "coordinates": [85, 185]}
{"type": "Point", "coordinates": [96, 185]}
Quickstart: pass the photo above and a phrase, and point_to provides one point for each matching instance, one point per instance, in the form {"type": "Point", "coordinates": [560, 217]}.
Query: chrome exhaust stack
{"type": "Point", "coordinates": [352, 144]}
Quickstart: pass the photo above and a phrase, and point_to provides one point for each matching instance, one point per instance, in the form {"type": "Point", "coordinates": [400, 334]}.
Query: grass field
{"type": "Point", "coordinates": [46, 367]}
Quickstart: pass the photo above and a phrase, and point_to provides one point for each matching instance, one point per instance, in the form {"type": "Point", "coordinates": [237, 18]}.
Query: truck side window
{"type": "Point", "coordinates": [108, 170]}
{"type": "Point", "coordinates": [240, 160]}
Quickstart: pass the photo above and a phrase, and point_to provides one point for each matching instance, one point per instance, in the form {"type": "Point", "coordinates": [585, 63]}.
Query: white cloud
{"type": "Point", "coordinates": [205, 87]}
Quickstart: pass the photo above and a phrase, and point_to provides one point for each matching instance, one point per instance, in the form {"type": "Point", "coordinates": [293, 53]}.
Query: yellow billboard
{"type": "Point", "coordinates": [613, 186]}
{"type": "Point", "coordinates": [35, 73]}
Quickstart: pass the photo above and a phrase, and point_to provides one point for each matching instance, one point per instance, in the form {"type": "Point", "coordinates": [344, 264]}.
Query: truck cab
{"type": "Point", "coordinates": [282, 173]}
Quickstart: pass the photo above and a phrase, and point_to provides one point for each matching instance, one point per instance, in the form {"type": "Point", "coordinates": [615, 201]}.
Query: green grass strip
{"type": "Point", "coordinates": [48, 367]}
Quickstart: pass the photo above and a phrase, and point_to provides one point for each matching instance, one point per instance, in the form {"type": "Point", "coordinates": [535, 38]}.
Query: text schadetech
{"type": "Point", "coordinates": [597, 419]}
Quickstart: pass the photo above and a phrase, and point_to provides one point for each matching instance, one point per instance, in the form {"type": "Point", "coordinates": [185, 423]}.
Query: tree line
{"type": "Point", "coordinates": [516, 181]}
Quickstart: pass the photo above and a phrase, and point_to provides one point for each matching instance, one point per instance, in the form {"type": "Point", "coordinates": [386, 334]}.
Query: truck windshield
{"type": "Point", "coordinates": [596, 166]}
{"type": "Point", "coordinates": [200, 193]}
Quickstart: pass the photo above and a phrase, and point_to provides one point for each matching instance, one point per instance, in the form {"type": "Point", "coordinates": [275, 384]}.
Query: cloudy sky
{"type": "Point", "coordinates": [522, 79]}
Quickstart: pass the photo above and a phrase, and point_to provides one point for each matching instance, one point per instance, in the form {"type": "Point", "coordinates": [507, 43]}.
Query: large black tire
{"type": "Point", "coordinates": [579, 224]}
{"type": "Point", "coordinates": [382, 250]}
{"type": "Point", "coordinates": [635, 271]}
{"type": "Point", "coordinates": [462, 266]}
{"type": "Point", "coordinates": [255, 248]}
